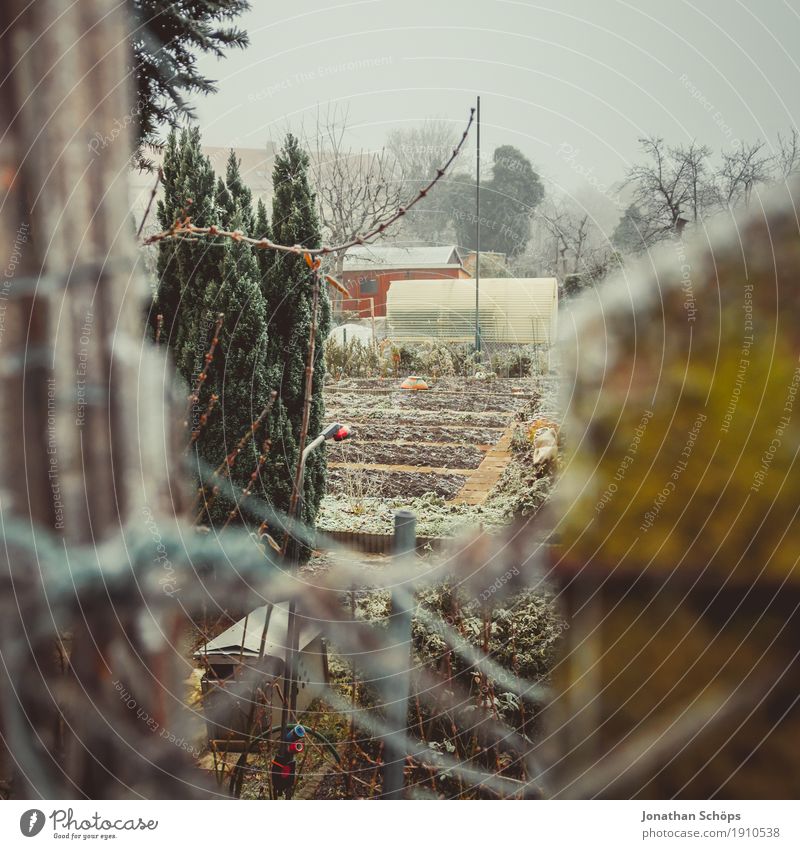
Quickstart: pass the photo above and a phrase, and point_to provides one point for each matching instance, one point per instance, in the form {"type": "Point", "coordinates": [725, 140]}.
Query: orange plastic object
{"type": "Point", "coordinates": [541, 424]}
{"type": "Point", "coordinates": [413, 382]}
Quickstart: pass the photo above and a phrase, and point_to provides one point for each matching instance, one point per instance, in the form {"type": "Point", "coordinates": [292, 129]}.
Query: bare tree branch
{"type": "Point", "coordinates": [418, 150]}
{"type": "Point", "coordinates": [742, 169]}
{"type": "Point", "coordinates": [671, 184]}
{"type": "Point", "coordinates": [788, 158]}
{"type": "Point", "coordinates": [356, 189]}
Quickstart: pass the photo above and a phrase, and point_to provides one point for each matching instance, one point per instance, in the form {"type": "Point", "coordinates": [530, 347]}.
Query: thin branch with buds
{"type": "Point", "coordinates": [224, 469]}
{"type": "Point", "coordinates": [254, 476]}
{"type": "Point", "coordinates": [207, 360]}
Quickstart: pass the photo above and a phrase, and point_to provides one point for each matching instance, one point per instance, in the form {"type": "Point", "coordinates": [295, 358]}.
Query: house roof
{"type": "Point", "coordinates": [382, 256]}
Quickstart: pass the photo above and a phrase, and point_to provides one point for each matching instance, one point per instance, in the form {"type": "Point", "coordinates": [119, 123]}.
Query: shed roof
{"type": "Point", "coordinates": [391, 256]}
{"type": "Point", "coordinates": [245, 636]}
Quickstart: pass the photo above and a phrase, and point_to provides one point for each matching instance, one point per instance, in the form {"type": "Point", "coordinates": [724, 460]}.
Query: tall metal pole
{"type": "Point", "coordinates": [478, 230]}
{"type": "Point", "coordinates": [291, 545]}
{"type": "Point", "coordinates": [396, 684]}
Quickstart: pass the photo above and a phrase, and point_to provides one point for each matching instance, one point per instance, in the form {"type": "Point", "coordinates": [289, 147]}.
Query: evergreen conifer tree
{"type": "Point", "coordinates": [266, 298]}
{"type": "Point", "coordinates": [238, 372]}
{"type": "Point", "coordinates": [185, 268]}
{"type": "Point", "coordinates": [199, 280]}
{"type": "Point", "coordinates": [632, 233]}
{"type": "Point", "coordinates": [262, 230]}
{"type": "Point", "coordinates": [508, 201]}
{"type": "Point", "coordinates": [168, 38]}
{"type": "Point", "coordinates": [288, 288]}
{"type": "Point", "coordinates": [240, 194]}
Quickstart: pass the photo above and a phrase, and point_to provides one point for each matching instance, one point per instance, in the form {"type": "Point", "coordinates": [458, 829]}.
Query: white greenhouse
{"type": "Point", "coordinates": [513, 310]}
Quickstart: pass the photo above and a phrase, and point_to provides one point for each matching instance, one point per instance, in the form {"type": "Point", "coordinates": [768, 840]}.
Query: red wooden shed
{"type": "Point", "coordinates": [369, 272]}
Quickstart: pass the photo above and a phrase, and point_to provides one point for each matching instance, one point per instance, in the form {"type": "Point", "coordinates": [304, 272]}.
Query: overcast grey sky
{"type": "Point", "coordinates": [572, 83]}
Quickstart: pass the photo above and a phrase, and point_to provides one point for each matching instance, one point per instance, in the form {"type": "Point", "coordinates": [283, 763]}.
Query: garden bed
{"type": "Point", "coordinates": [446, 433]}
{"type": "Point", "coordinates": [418, 419]}
{"type": "Point", "coordinates": [458, 401]}
{"type": "Point", "coordinates": [386, 432]}
{"type": "Point", "coordinates": [408, 454]}
{"type": "Point", "coordinates": [474, 402]}
{"type": "Point", "coordinates": [447, 384]}
{"type": "Point", "coordinates": [380, 483]}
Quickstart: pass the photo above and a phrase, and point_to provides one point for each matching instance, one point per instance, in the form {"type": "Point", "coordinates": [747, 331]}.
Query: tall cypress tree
{"type": "Point", "coordinates": [262, 230]}
{"type": "Point", "coordinates": [240, 194]}
{"type": "Point", "coordinates": [199, 280]}
{"type": "Point", "coordinates": [288, 288]}
{"type": "Point", "coordinates": [238, 373]}
{"type": "Point", "coordinates": [185, 268]}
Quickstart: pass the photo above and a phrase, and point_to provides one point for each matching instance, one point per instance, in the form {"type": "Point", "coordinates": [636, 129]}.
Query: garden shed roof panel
{"type": "Point", "coordinates": [381, 256]}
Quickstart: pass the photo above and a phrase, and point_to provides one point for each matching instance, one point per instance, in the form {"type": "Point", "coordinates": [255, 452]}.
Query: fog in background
{"type": "Point", "coordinates": [573, 84]}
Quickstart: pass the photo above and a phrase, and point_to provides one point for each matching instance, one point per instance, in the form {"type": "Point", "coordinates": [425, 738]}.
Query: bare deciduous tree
{"type": "Point", "coordinates": [788, 156]}
{"type": "Point", "coordinates": [678, 184]}
{"type": "Point", "coordinates": [567, 241]}
{"type": "Point", "coordinates": [673, 183]}
{"type": "Point", "coordinates": [419, 152]}
{"type": "Point", "coordinates": [742, 169]}
{"type": "Point", "coordinates": [356, 189]}
{"type": "Point", "coordinates": [569, 234]}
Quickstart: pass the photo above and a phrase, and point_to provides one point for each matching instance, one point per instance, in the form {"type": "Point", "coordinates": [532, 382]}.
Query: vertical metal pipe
{"type": "Point", "coordinates": [291, 545]}
{"type": "Point", "coordinates": [396, 685]}
{"type": "Point", "coordinates": [478, 229]}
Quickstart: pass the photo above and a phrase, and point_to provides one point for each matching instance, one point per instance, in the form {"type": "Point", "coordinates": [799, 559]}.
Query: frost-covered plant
{"type": "Point", "coordinates": [357, 359]}
{"type": "Point", "coordinates": [523, 633]}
